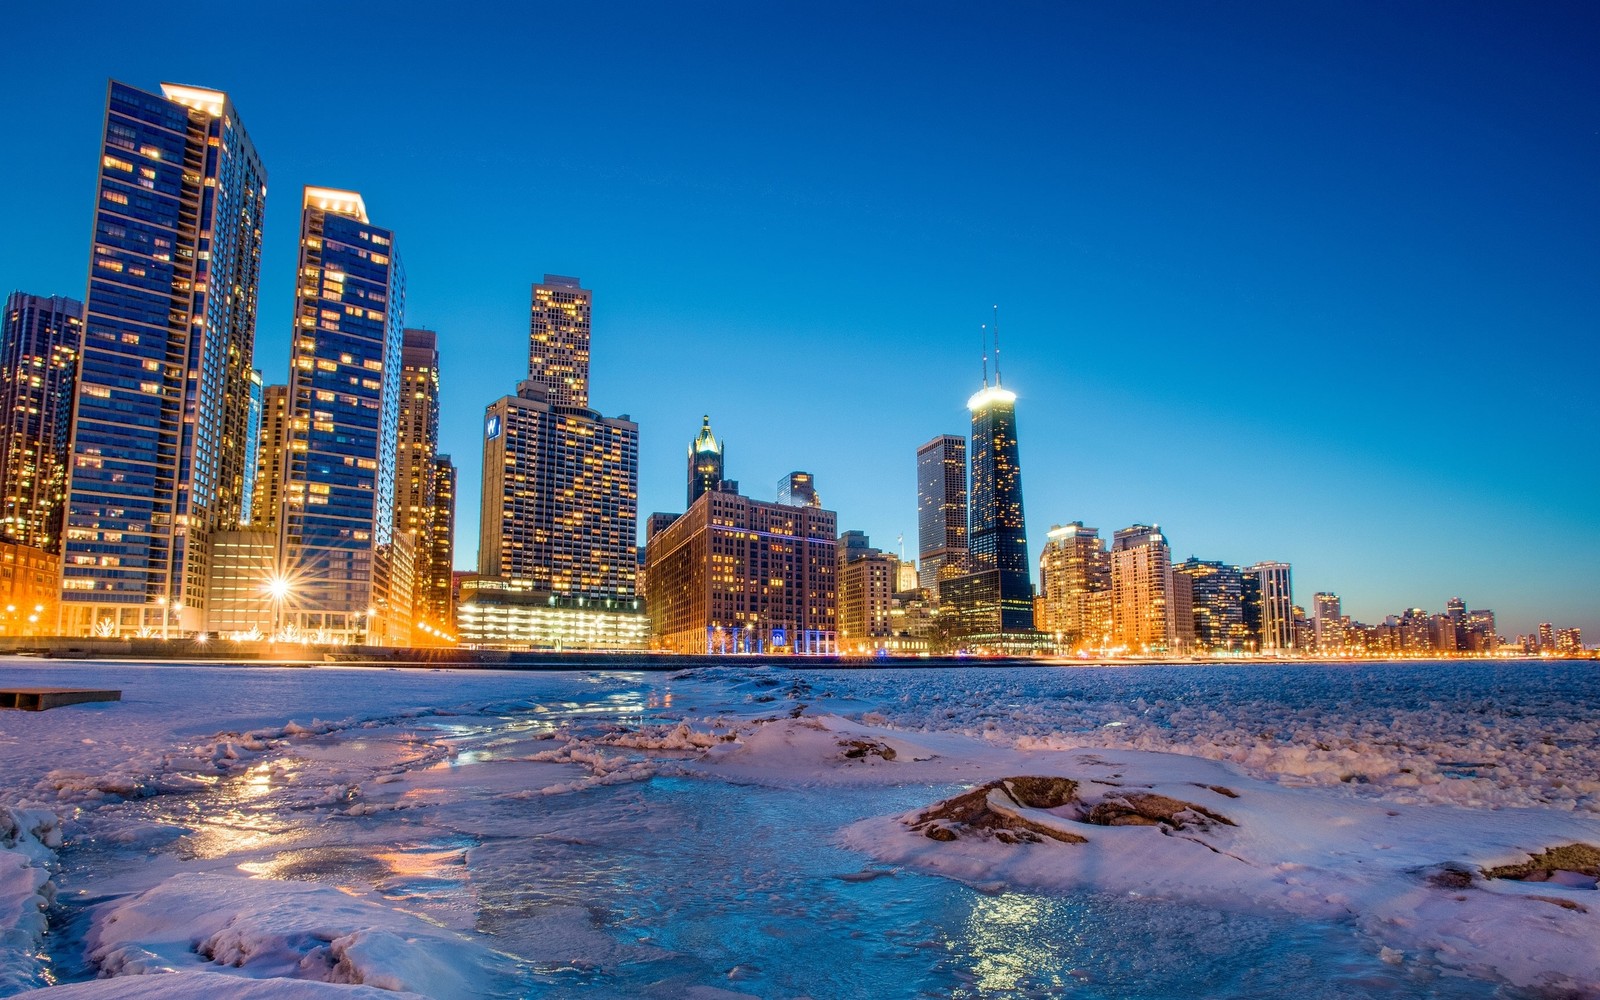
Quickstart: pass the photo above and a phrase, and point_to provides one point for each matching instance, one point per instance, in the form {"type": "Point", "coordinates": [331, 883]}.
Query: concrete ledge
{"type": "Point", "coordinates": [38, 699]}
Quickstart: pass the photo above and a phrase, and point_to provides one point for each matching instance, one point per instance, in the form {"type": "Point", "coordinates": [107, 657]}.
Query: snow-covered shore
{"type": "Point", "coordinates": [344, 830]}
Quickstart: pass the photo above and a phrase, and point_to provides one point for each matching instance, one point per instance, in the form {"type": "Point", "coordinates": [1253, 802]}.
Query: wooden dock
{"type": "Point", "coordinates": [33, 699]}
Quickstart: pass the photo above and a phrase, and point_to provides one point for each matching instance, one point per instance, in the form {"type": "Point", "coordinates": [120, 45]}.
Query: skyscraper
{"type": "Point", "coordinates": [159, 446]}
{"type": "Point", "coordinates": [1141, 582]}
{"type": "Point", "coordinates": [941, 511]}
{"type": "Point", "coordinates": [865, 588]}
{"type": "Point", "coordinates": [558, 340]}
{"type": "Point", "coordinates": [271, 454]}
{"type": "Point", "coordinates": [799, 489]}
{"type": "Point", "coordinates": [994, 599]}
{"type": "Point", "coordinates": [417, 501]}
{"type": "Point", "coordinates": [1075, 584]}
{"type": "Point", "coordinates": [1218, 603]}
{"type": "Point", "coordinates": [560, 482]}
{"type": "Point", "coordinates": [1326, 618]}
{"type": "Point", "coordinates": [338, 520]}
{"type": "Point", "coordinates": [560, 496]}
{"type": "Point", "coordinates": [38, 375]}
{"type": "Point", "coordinates": [1270, 610]}
{"type": "Point", "coordinates": [706, 455]}
{"type": "Point", "coordinates": [436, 602]}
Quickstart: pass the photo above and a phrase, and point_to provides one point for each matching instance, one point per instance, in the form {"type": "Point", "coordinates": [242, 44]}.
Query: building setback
{"type": "Point", "coordinates": [732, 574]}
{"type": "Point", "coordinates": [337, 523]}
{"type": "Point", "coordinates": [38, 376]}
{"type": "Point", "coordinates": [159, 445]}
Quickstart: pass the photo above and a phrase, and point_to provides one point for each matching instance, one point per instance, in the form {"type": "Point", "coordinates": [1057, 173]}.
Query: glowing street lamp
{"type": "Point", "coordinates": [278, 589]}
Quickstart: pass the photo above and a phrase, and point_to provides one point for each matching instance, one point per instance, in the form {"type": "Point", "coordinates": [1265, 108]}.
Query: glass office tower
{"type": "Point", "coordinates": [998, 540]}
{"type": "Point", "coordinates": [38, 374]}
{"type": "Point", "coordinates": [159, 442]}
{"type": "Point", "coordinates": [344, 394]}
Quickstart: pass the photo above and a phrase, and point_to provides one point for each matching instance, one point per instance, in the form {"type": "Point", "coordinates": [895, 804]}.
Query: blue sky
{"type": "Point", "coordinates": [1303, 281]}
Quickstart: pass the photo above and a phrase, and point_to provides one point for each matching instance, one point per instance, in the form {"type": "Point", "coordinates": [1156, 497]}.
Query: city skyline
{"type": "Point", "coordinates": [1375, 461]}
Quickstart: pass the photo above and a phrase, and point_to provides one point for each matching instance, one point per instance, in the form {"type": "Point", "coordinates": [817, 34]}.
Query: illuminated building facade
{"type": "Point", "coordinates": [158, 446]}
{"type": "Point", "coordinates": [420, 508]}
{"type": "Point", "coordinates": [1326, 621]}
{"type": "Point", "coordinates": [1141, 585]}
{"type": "Point", "coordinates": [508, 614]}
{"type": "Point", "coordinates": [30, 582]}
{"type": "Point", "coordinates": [238, 600]}
{"type": "Point", "coordinates": [38, 374]}
{"type": "Point", "coordinates": [558, 340]}
{"type": "Point", "coordinates": [271, 456]}
{"type": "Point", "coordinates": [1075, 588]}
{"type": "Point", "coordinates": [343, 421]}
{"type": "Point", "coordinates": [560, 497]}
{"type": "Point", "coordinates": [435, 602]}
{"type": "Point", "coordinates": [941, 511]}
{"type": "Point", "coordinates": [865, 588]}
{"type": "Point", "coordinates": [736, 575]}
{"type": "Point", "coordinates": [1217, 591]}
{"type": "Point", "coordinates": [1269, 606]}
{"type": "Point", "coordinates": [705, 462]}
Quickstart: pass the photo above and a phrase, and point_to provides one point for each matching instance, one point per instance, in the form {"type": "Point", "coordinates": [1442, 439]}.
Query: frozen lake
{"type": "Point", "coordinates": [741, 831]}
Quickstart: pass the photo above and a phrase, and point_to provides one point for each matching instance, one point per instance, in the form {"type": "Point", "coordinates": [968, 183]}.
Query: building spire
{"type": "Point", "coordinates": [983, 334]}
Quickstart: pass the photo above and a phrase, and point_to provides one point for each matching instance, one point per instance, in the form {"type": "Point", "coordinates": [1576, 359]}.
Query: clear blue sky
{"type": "Point", "coordinates": [1317, 282]}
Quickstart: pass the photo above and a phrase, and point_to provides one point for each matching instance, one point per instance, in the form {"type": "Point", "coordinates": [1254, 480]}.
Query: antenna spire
{"type": "Point", "coordinates": [997, 346]}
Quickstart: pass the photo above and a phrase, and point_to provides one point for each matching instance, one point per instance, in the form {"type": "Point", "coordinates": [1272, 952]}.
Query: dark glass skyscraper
{"type": "Point", "coordinates": [344, 408]}
{"type": "Point", "coordinates": [159, 439]}
{"type": "Point", "coordinates": [998, 540]}
{"type": "Point", "coordinates": [38, 373]}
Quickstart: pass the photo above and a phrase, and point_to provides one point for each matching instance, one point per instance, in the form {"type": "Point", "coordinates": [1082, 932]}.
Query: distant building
{"type": "Point", "coordinates": [337, 524]}
{"type": "Point", "coordinates": [1327, 622]}
{"type": "Point", "coordinates": [1269, 608]}
{"type": "Point", "coordinates": [39, 345]}
{"type": "Point", "coordinates": [1217, 591]}
{"type": "Point", "coordinates": [1481, 637]}
{"type": "Point", "coordinates": [1569, 640]}
{"type": "Point", "coordinates": [1075, 588]}
{"type": "Point", "coordinates": [1141, 583]}
{"type": "Point", "coordinates": [705, 462]}
{"type": "Point", "coordinates": [435, 601]}
{"type": "Point", "coordinates": [271, 457]}
{"type": "Point", "coordinates": [905, 576]}
{"type": "Point", "coordinates": [736, 575]}
{"type": "Point", "coordinates": [865, 591]}
{"type": "Point", "coordinates": [798, 489]}
{"type": "Point", "coordinates": [163, 404]}
{"type": "Point", "coordinates": [941, 511]}
{"type": "Point", "coordinates": [1547, 637]}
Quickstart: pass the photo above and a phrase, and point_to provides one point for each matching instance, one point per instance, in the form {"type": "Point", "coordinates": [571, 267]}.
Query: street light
{"type": "Point", "coordinates": [278, 590]}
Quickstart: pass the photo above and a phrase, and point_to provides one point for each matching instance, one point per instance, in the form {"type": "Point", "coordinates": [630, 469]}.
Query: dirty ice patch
{"type": "Point", "coordinates": [1413, 879]}
{"type": "Point", "coordinates": [267, 929]}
